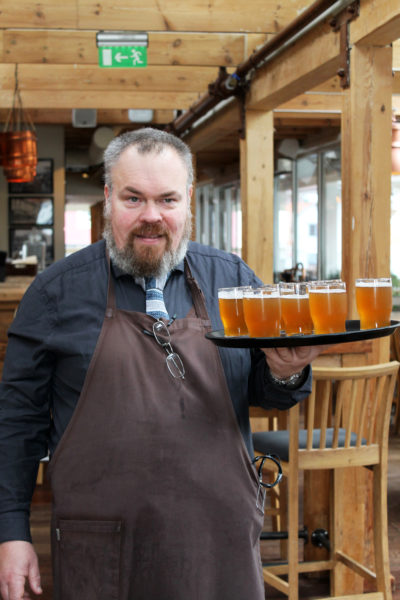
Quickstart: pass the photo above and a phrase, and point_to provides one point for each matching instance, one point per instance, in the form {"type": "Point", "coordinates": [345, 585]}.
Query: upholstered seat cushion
{"type": "Point", "coordinates": [277, 442]}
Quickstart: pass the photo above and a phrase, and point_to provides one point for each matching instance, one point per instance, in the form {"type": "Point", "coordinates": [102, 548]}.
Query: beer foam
{"type": "Point", "coordinates": [295, 296]}
{"type": "Point", "coordinates": [230, 294]}
{"type": "Point", "coordinates": [374, 283]}
{"type": "Point", "coordinates": [327, 291]}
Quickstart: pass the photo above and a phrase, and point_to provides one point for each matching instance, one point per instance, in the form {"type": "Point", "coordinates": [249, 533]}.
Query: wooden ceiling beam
{"type": "Point", "coordinates": [316, 58]}
{"type": "Point", "coordinates": [62, 99]}
{"type": "Point", "coordinates": [63, 116]}
{"type": "Point", "coordinates": [312, 102]}
{"type": "Point", "coordinates": [222, 124]}
{"type": "Point", "coordinates": [90, 78]}
{"type": "Point", "coordinates": [378, 23]}
{"type": "Point", "coordinates": [79, 47]}
{"type": "Point", "coordinates": [265, 16]}
{"type": "Point", "coordinates": [312, 60]}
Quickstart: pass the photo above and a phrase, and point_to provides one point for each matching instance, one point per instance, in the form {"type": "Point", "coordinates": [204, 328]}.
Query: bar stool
{"type": "Point", "coordinates": [353, 407]}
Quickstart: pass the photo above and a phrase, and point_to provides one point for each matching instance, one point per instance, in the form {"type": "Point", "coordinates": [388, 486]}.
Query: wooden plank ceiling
{"type": "Point", "coordinates": [54, 45]}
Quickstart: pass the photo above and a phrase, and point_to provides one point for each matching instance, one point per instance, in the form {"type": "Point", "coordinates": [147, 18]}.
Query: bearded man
{"type": "Point", "coordinates": [146, 421]}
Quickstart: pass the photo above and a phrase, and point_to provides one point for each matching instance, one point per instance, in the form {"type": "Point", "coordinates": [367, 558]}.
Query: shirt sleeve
{"type": "Point", "coordinates": [24, 412]}
{"type": "Point", "coordinates": [263, 392]}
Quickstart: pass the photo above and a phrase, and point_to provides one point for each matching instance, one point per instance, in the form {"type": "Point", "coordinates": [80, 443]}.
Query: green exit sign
{"type": "Point", "coordinates": [123, 56]}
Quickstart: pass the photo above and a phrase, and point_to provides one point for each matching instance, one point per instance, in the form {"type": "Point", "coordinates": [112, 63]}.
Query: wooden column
{"type": "Point", "coordinates": [257, 192]}
{"type": "Point", "coordinates": [366, 172]}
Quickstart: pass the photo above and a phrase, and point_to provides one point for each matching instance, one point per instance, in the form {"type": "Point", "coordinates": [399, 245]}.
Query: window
{"type": "Point", "coordinates": [308, 216]}
{"type": "Point", "coordinates": [395, 241]}
{"type": "Point", "coordinates": [77, 226]}
{"type": "Point", "coordinates": [219, 216]}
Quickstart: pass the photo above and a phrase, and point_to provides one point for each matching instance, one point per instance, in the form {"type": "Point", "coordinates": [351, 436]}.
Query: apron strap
{"type": "Point", "coordinates": [197, 294]}
{"type": "Point", "coordinates": [111, 301]}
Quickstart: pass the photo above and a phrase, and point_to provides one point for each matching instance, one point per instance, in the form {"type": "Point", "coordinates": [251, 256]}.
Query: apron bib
{"type": "Point", "coordinates": [154, 494]}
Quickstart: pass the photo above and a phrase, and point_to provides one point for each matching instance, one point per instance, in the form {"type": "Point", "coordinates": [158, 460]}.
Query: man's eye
{"type": "Point", "coordinates": [133, 199]}
{"type": "Point", "coordinates": [169, 200]}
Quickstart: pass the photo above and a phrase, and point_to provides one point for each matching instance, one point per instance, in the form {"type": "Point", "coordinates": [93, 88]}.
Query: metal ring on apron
{"type": "Point", "coordinates": [275, 460]}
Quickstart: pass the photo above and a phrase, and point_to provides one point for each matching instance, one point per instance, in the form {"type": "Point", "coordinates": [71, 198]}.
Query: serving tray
{"type": "Point", "coordinates": [353, 333]}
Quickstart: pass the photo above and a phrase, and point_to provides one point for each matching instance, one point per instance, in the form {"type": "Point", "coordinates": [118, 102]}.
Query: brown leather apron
{"type": "Point", "coordinates": [154, 494]}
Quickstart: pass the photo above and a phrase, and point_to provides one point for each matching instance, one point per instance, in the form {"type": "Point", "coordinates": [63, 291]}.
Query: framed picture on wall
{"type": "Point", "coordinates": [30, 210]}
{"type": "Point", "coordinates": [42, 184]}
{"type": "Point", "coordinates": [34, 236]}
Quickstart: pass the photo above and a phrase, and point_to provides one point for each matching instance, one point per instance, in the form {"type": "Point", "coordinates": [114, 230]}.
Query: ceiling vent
{"type": "Point", "coordinates": [84, 117]}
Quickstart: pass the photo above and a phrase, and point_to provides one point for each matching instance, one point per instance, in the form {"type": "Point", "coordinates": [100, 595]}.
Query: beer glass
{"type": "Point", "coordinates": [230, 302]}
{"type": "Point", "coordinates": [328, 305]}
{"type": "Point", "coordinates": [262, 311]}
{"type": "Point", "coordinates": [295, 309]}
{"type": "Point", "coordinates": [374, 302]}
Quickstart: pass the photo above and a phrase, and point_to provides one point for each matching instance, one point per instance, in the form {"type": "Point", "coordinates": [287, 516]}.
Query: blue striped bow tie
{"type": "Point", "coordinates": [155, 300]}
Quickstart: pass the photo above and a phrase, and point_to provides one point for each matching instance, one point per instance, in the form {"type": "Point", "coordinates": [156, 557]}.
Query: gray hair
{"type": "Point", "coordinates": [146, 140]}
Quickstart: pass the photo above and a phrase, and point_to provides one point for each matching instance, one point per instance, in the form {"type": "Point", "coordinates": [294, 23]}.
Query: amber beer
{"type": "Point", "coordinates": [374, 302]}
{"type": "Point", "coordinates": [231, 311]}
{"type": "Point", "coordinates": [262, 311]}
{"type": "Point", "coordinates": [328, 306]}
{"type": "Point", "coordinates": [295, 309]}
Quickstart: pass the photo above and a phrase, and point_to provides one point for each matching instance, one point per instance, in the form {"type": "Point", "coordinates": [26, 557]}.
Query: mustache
{"type": "Point", "coordinates": [148, 229]}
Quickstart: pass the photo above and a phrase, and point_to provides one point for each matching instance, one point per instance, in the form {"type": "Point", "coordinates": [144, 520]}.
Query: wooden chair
{"type": "Point", "coordinates": [346, 424]}
{"type": "Point", "coordinates": [272, 420]}
{"type": "Point", "coordinates": [395, 355]}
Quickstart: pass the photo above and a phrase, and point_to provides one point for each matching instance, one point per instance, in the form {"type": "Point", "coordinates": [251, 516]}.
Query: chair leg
{"type": "Point", "coordinates": [335, 529]}
{"type": "Point", "coordinates": [293, 541]}
{"type": "Point", "coordinates": [283, 499]}
{"type": "Point", "coordinates": [381, 542]}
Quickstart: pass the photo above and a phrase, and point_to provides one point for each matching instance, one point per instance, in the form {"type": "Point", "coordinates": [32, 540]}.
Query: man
{"type": "Point", "coordinates": [154, 492]}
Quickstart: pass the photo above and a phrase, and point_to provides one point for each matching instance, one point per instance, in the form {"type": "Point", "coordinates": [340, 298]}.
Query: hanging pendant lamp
{"type": "Point", "coordinates": [18, 142]}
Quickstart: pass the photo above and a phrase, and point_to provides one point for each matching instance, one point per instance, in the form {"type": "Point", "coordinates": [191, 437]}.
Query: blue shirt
{"type": "Point", "coordinates": [51, 342]}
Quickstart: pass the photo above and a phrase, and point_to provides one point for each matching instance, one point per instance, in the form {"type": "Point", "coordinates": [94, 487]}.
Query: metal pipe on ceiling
{"type": "Point", "coordinates": [227, 85]}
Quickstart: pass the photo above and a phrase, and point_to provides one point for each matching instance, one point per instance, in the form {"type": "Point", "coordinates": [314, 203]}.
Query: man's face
{"type": "Point", "coordinates": [149, 204]}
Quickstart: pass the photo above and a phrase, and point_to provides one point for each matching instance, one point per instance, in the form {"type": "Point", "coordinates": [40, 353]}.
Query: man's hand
{"type": "Point", "coordinates": [18, 562]}
{"type": "Point", "coordinates": [284, 362]}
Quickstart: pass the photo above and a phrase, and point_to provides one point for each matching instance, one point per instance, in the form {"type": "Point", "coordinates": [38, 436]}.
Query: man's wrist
{"type": "Point", "coordinates": [291, 381]}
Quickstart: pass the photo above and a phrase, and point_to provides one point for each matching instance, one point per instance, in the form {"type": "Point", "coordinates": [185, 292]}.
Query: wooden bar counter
{"type": "Point", "coordinates": [11, 292]}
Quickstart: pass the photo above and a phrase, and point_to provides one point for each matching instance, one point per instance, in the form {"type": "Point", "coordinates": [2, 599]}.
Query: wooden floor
{"type": "Point", "coordinates": [308, 588]}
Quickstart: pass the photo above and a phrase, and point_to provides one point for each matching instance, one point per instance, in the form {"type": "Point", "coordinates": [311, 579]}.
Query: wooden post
{"type": "Point", "coordinates": [366, 172]}
{"type": "Point", "coordinates": [257, 192]}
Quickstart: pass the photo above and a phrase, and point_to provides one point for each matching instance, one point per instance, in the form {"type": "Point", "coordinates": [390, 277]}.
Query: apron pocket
{"type": "Point", "coordinates": [87, 559]}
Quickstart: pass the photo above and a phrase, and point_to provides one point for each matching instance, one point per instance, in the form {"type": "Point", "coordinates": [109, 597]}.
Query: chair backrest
{"type": "Point", "coordinates": [262, 419]}
{"type": "Point", "coordinates": [347, 412]}
{"type": "Point", "coordinates": [395, 345]}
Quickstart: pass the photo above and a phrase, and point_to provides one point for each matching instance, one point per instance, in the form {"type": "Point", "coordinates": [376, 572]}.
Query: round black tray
{"type": "Point", "coordinates": [353, 333]}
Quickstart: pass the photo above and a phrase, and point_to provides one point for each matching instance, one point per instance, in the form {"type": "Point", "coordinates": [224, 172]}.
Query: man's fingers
{"type": "Point", "coordinates": [16, 588]}
{"type": "Point", "coordinates": [4, 591]}
{"type": "Point", "coordinates": [34, 578]}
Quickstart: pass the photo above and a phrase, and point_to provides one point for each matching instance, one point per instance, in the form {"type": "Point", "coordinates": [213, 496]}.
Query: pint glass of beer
{"type": "Point", "coordinates": [295, 309]}
{"type": "Point", "coordinates": [262, 311]}
{"type": "Point", "coordinates": [374, 302]}
{"type": "Point", "coordinates": [328, 305]}
{"type": "Point", "coordinates": [231, 310]}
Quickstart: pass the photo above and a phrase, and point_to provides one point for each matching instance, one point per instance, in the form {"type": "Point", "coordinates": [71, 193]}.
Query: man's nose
{"type": "Point", "coordinates": [150, 212]}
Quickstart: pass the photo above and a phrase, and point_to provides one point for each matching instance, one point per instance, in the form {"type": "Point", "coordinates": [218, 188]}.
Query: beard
{"type": "Point", "coordinates": [147, 262]}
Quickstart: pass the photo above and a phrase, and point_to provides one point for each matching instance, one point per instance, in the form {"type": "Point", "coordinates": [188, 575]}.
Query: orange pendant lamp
{"type": "Point", "coordinates": [18, 142]}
